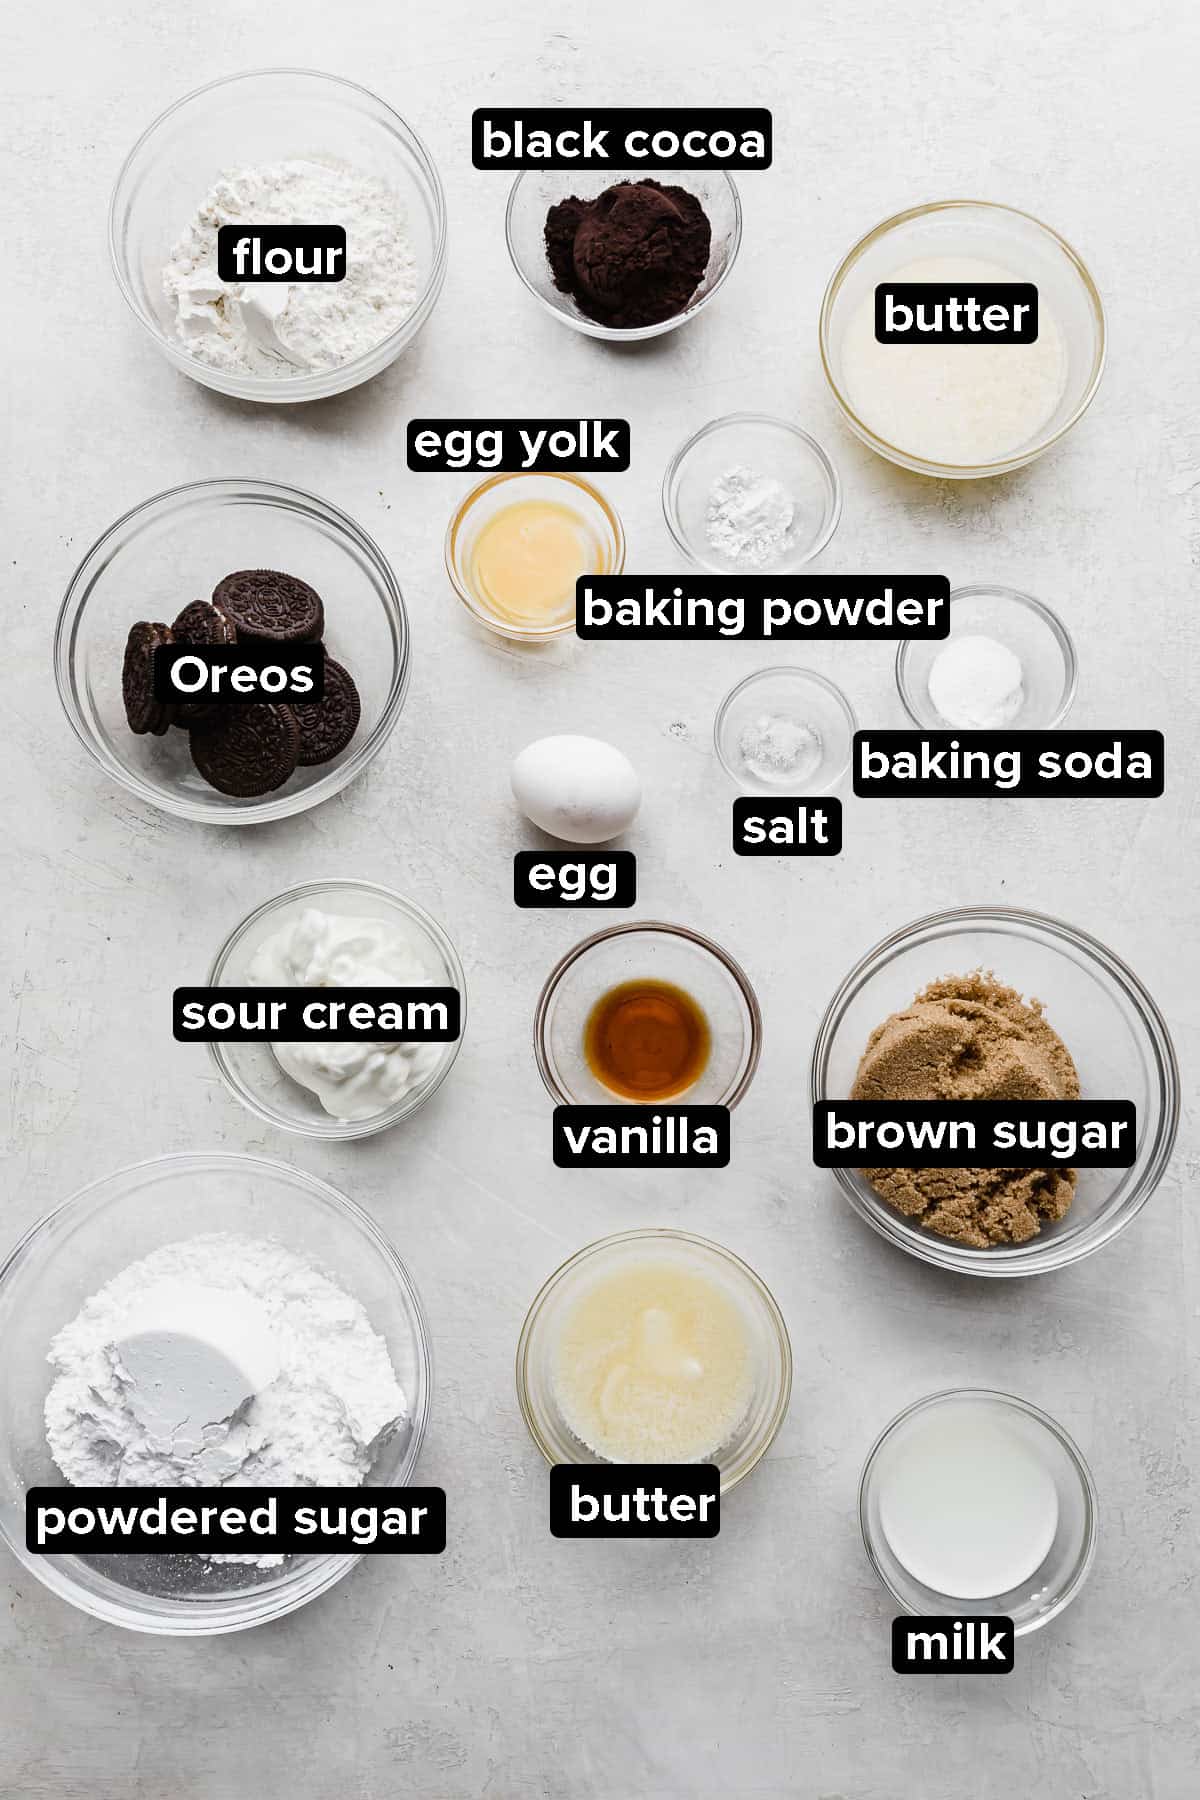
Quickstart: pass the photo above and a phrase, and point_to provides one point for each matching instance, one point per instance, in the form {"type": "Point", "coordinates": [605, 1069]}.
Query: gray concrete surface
{"type": "Point", "coordinates": [756, 1666]}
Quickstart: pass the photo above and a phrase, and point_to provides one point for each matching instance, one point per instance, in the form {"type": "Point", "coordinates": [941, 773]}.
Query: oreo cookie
{"type": "Point", "coordinates": [326, 726]}
{"type": "Point", "coordinates": [200, 622]}
{"type": "Point", "coordinates": [267, 607]}
{"type": "Point", "coordinates": [248, 750]}
{"type": "Point", "coordinates": [144, 712]}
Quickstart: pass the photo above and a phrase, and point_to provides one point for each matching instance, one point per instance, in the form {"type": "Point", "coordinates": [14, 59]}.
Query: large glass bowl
{"type": "Point", "coordinates": [266, 116]}
{"type": "Point", "coordinates": [175, 548]}
{"type": "Point", "coordinates": [1104, 1016]}
{"type": "Point", "coordinates": [89, 1239]}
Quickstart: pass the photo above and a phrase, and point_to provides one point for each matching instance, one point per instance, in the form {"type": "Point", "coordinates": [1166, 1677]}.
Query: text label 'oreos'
{"type": "Point", "coordinates": [239, 674]}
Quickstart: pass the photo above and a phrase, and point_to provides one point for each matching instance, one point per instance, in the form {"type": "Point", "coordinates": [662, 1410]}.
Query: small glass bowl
{"type": "Point", "coordinates": [1001, 233]}
{"type": "Point", "coordinates": [175, 548]}
{"type": "Point", "coordinates": [1099, 1008]}
{"type": "Point", "coordinates": [1036, 636]}
{"type": "Point", "coordinates": [265, 116]}
{"type": "Point", "coordinates": [771, 447]}
{"type": "Point", "coordinates": [648, 951]}
{"type": "Point", "coordinates": [768, 1334]}
{"type": "Point", "coordinates": [492, 496]}
{"type": "Point", "coordinates": [797, 695]}
{"type": "Point", "coordinates": [88, 1240]}
{"type": "Point", "coordinates": [536, 190]}
{"type": "Point", "coordinates": [1052, 1586]}
{"type": "Point", "coordinates": [252, 1073]}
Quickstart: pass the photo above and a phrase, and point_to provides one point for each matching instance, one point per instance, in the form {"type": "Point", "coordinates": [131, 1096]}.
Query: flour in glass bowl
{"type": "Point", "coordinates": [282, 328]}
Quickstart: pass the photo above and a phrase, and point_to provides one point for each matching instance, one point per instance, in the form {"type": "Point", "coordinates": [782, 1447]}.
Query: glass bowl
{"type": "Point", "coordinates": [771, 447]}
{"type": "Point", "coordinates": [1036, 636]}
{"type": "Point", "coordinates": [88, 1240]}
{"type": "Point", "coordinates": [264, 116]}
{"type": "Point", "coordinates": [1099, 1008]}
{"type": "Point", "coordinates": [175, 548]}
{"type": "Point", "coordinates": [536, 190]}
{"type": "Point", "coordinates": [655, 952]}
{"type": "Point", "coordinates": [491, 497]}
{"type": "Point", "coordinates": [1001, 234]}
{"type": "Point", "coordinates": [793, 695]}
{"type": "Point", "coordinates": [771, 1348]}
{"type": "Point", "coordinates": [1063, 1570]}
{"type": "Point", "coordinates": [251, 1072]}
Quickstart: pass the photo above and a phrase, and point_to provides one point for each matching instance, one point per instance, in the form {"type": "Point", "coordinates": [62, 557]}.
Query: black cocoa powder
{"type": "Point", "coordinates": [633, 256]}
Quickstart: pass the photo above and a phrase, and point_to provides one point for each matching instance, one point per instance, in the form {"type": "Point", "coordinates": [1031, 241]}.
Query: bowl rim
{"type": "Point", "coordinates": [332, 1129]}
{"type": "Point", "coordinates": [522, 634]}
{"type": "Point", "coordinates": [1041, 1255]}
{"type": "Point", "coordinates": [214, 1618]}
{"type": "Point", "coordinates": [657, 1234]}
{"type": "Point", "coordinates": [1031, 603]}
{"type": "Point", "coordinates": [317, 384]}
{"type": "Point", "coordinates": [627, 334]}
{"type": "Point", "coordinates": [905, 458]}
{"type": "Point", "coordinates": [1091, 1504]}
{"type": "Point", "coordinates": [271, 806]}
{"type": "Point", "coordinates": [629, 927]}
{"type": "Point", "coordinates": [816, 450]}
{"type": "Point", "coordinates": [807, 675]}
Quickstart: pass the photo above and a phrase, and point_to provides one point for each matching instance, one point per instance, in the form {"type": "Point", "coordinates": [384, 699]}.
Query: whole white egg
{"type": "Point", "coordinates": [577, 788]}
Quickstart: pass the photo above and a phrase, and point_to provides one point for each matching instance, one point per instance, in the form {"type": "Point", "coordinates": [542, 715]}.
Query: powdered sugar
{"type": "Point", "coordinates": [292, 328]}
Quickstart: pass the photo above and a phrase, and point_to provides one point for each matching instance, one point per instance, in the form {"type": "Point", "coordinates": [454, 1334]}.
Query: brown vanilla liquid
{"type": "Point", "coordinates": [646, 1040]}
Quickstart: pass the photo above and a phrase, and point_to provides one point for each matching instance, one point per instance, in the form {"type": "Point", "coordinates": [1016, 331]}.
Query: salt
{"type": "Point", "coordinates": [777, 749]}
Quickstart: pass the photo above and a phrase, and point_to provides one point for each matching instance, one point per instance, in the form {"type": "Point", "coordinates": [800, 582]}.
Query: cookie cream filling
{"type": "Point", "coordinates": [326, 950]}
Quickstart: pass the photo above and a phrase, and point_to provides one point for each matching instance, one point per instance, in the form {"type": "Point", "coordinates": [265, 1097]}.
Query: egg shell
{"type": "Point", "coordinates": [577, 788]}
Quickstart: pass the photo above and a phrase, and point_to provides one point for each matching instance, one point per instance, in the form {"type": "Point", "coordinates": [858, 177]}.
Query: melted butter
{"type": "Point", "coordinates": [527, 558]}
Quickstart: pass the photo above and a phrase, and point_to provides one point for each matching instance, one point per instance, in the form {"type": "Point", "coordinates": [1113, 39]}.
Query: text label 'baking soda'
{"type": "Point", "coordinates": [575, 878]}
{"type": "Point", "coordinates": [666, 137]}
{"type": "Point", "coordinates": [344, 1015]}
{"type": "Point", "coordinates": [589, 1500]}
{"type": "Point", "coordinates": [239, 674]}
{"type": "Point", "coordinates": [974, 1134]}
{"type": "Point", "coordinates": [281, 252]}
{"type": "Point", "coordinates": [787, 827]}
{"type": "Point", "coordinates": [1022, 765]}
{"type": "Point", "coordinates": [761, 607]}
{"type": "Point", "coordinates": [641, 1137]}
{"type": "Point", "coordinates": [944, 312]}
{"type": "Point", "coordinates": [930, 1644]}
{"type": "Point", "coordinates": [541, 445]}
{"type": "Point", "coordinates": [208, 1521]}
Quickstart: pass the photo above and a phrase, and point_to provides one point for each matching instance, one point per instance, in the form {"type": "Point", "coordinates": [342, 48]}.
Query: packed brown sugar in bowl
{"type": "Point", "coordinates": [968, 1037]}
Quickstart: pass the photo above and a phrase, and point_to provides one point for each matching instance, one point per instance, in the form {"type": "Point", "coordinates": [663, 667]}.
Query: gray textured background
{"type": "Point", "coordinates": [756, 1665]}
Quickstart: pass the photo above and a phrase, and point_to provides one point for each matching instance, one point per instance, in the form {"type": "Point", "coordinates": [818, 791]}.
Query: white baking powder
{"type": "Point", "coordinates": [219, 1361]}
{"type": "Point", "coordinates": [280, 328]}
{"type": "Point", "coordinates": [749, 517]}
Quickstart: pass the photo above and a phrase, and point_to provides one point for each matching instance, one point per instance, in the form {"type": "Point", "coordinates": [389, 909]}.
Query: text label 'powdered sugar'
{"type": "Point", "coordinates": [224, 1521]}
{"type": "Point", "coordinates": [840, 608]}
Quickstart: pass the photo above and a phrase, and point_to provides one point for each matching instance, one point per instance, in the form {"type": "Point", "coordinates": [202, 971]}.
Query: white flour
{"type": "Point", "coordinates": [217, 1361]}
{"type": "Point", "coordinates": [292, 328]}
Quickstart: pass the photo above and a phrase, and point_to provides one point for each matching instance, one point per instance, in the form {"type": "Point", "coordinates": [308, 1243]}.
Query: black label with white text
{"type": "Point", "coordinates": [786, 827]}
{"type": "Point", "coordinates": [538, 445]}
{"type": "Point", "coordinates": [950, 312]}
{"type": "Point", "coordinates": [763, 608]}
{"type": "Point", "coordinates": [1021, 765]}
{"type": "Point", "coordinates": [238, 674]}
{"type": "Point", "coordinates": [621, 137]}
{"type": "Point", "coordinates": [932, 1644]}
{"type": "Point", "coordinates": [281, 252]}
{"type": "Point", "coordinates": [211, 1521]}
{"type": "Point", "coordinates": [974, 1134]}
{"type": "Point", "coordinates": [575, 878]}
{"type": "Point", "coordinates": [641, 1137]}
{"type": "Point", "coordinates": [344, 1015]}
{"type": "Point", "coordinates": [635, 1500]}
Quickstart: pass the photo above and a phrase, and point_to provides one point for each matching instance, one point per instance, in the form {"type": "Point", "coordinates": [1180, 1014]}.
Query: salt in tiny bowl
{"type": "Point", "coordinates": [794, 696]}
{"type": "Point", "coordinates": [1034, 633]}
{"type": "Point", "coordinates": [770, 447]}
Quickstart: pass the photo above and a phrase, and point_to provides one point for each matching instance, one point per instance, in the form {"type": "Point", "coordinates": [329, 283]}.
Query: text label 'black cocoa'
{"type": "Point", "coordinates": [621, 137]}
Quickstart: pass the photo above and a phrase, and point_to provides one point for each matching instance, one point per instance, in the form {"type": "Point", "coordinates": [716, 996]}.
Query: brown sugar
{"type": "Point", "coordinates": [968, 1037]}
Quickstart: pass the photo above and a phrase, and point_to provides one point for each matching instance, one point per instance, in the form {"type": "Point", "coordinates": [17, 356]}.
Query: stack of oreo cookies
{"type": "Point", "coordinates": [250, 749]}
